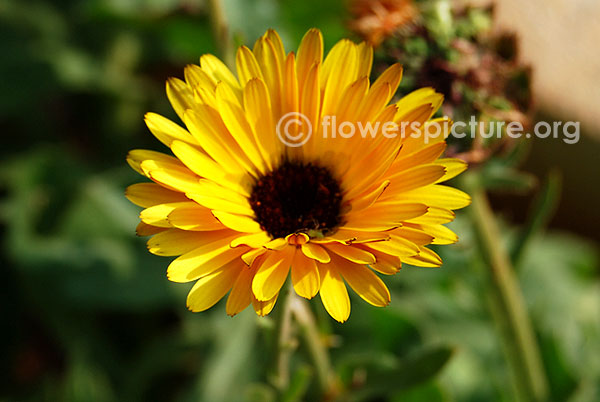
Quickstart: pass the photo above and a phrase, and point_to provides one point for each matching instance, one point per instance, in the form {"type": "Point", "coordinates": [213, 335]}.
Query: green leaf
{"type": "Point", "coordinates": [387, 375]}
{"type": "Point", "coordinates": [560, 379]}
{"type": "Point", "coordinates": [542, 210]}
{"type": "Point", "coordinates": [499, 177]}
{"type": "Point", "coordinates": [258, 392]}
{"type": "Point", "coordinates": [298, 385]}
{"type": "Point", "coordinates": [428, 392]}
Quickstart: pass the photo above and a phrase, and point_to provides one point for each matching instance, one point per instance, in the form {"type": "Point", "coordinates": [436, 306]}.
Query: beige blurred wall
{"type": "Point", "coordinates": [561, 40]}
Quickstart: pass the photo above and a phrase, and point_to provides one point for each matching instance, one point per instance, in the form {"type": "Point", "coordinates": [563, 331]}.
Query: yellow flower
{"type": "Point", "coordinates": [241, 209]}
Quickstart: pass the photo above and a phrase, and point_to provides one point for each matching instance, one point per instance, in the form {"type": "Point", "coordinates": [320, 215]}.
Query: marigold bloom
{"type": "Point", "coordinates": [376, 20]}
{"type": "Point", "coordinates": [242, 210]}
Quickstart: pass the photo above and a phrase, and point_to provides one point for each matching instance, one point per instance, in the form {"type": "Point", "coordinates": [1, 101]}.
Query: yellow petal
{"type": "Point", "coordinates": [137, 156]}
{"type": "Point", "coordinates": [423, 156]}
{"type": "Point", "coordinates": [435, 215]}
{"type": "Point", "coordinates": [383, 216]}
{"type": "Point", "coordinates": [206, 126]}
{"type": "Point", "coordinates": [410, 179]}
{"type": "Point", "coordinates": [149, 194]}
{"type": "Point", "coordinates": [254, 240]}
{"type": "Point", "coordinates": [426, 258]}
{"type": "Point", "coordinates": [211, 288]}
{"type": "Point", "coordinates": [380, 154]}
{"type": "Point", "coordinates": [315, 252]}
{"type": "Point", "coordinates": [367, 199]}
{"type": "Point", "coordinates": [386, 264]}
{"type": "Point", "coordinates": [392, 76]}
{"type": "Point", "coordinates": [195, 217]}
{"type": "Point", "coordinates": [176, 242]}
{"type": "Point", "coordinates": [353, 97]}
{"type": "Point", "coordinates": [441, 234]}
{"type": "Point", "coordinates": [180, 95]}
{"type": "Point", "coordinates": [258, 111]}
{"type": "Point", "coordinates": [344, 236]}
{"type": "Point", "coordinates": [272, 273]}
{"type": "Point", "coordinates": [364, 282]}
{"type": "Point", "coordinates": [213, 196]}
{"type": "Point", "coordinates": [419, 97]}
{"type": "Point", "coordinates": [436, 195]}
{"type": "Point", "coordinates": [305, 276]}
{"type": "Point", "coordinates": [340, 69]}
{"type": "Point", "coordinates": [396, 245]}
{"type": "Point", "coordinates": [170, 176]}
{"type": "Point", "coordinates": [157, 215]}
{"type": "Point", "coordinates": [277, 244]}
{"type": "Point", "coordinates": [263, 308]}
{"type": "Point", "coordinates": [166, 131]}
{"type": "Point", "coordinates": [333, 292]}
{"type": "Point", "coordinates": [373, 102]}
{"type": "Point", "coordinates": [183, 215]}
{"type": "Point", "coordinates": [453, 167]}
{"type": "Point", "coordinates": [221, 204]}
{"type": "Point", "coordinates": [273, 37]}
{"type": "Point", "coordinates": [247, 66]}
{"type": "Point", "coordinates": [351, 253]}
{"type": "Point", "coordinates": [253, 255]}
{"type": "Point", "coordinates": [270, 56]}
{"type": "Point", "coordinates": [204, 166]}
{"type": "Point", "coordinates": [195, 76]}
{"type": "Point", "coordinates": [143, 229]}
{"type": "Point", "coordinates": [235, 121]}
{"type": "Point", "coordinates": [218, 71]}
{"type": "Point", "coordinates": [204, 259]}
{"type": "Point", "coordinates": [238, 223]}
{"type": "Point", "coordinates": [290, 99]}
{"type": "Point", "coordinates": [310, 52]}
{"type": "Point", "coordinates": [365, 59]}
{"type": "Point", "coordinates": [432, 132]}
{"type": "Point", "coordinates": [240, 296]}
{"type": "Point", "coordinates": [310, 107]}
{"type": "Point", "coordinates": [414, 234]}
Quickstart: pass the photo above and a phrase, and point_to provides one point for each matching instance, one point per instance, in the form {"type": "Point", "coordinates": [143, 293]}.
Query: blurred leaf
{"type": "Point", "coordinates": [387, 375]}
{"type": "Point", "coordinates": [419, 367]}
{"type": "Point", "coordinates": [187, 38]}
{"type": "Point", "coordinates": [559, 278]}
{"type": "Point", "coordinates": [561, 381]}
{"type": "Point", "coordinates": [298, 385]}
{"type": "Point", "coordinates": [226, 373]}
{"type": "Point", "coordinates": [516, 154]}
{"type": "Point", "coordinates": [260, 393]}
{"type": "Point", "coordinates": [428, 392]}
{"type": "Point", "coordinates": [439, 21]}
{"type": "Point", "coordinates": [496, 176]}
{"type": "Point", "coordinates": [85, 383]}
{"type": "Point", "coordinates": [543, 207]}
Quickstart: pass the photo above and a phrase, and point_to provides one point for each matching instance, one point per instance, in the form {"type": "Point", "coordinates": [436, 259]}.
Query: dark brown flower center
{"type": "Point", "coordinates": [297, 197]}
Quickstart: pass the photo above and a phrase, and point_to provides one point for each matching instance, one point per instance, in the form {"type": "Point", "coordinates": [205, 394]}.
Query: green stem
{"type": "Point", "coordinates": [316, 349]}
{"type": "Point", "coordinates": [508, 306]}
{"type": "Point", "coordinates": [221, 32]}
{"type": "Point", "coordinates": [280, 376]}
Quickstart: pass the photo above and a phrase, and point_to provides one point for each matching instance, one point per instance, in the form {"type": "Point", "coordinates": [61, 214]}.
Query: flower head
{"type": "Point", "coordinates": [243, 209]}
{"type": "Point", "coordinates": [376, 20]}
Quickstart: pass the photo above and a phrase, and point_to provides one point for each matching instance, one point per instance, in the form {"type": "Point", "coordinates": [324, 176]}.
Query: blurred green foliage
{"type": "Point", "coordinates": [88, 314]}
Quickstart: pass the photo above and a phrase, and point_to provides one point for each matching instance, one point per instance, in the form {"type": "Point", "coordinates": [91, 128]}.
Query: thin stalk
{"type": "Point", "coordinates": [316, 349]}
{"type": "Point", "coordinates": [510, 312]}
{"type": "Point", "coordinates": [280, 376]}
{"type": "Point", "coordinates": [221, 32]}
